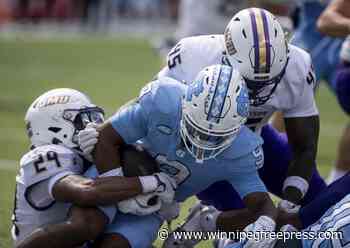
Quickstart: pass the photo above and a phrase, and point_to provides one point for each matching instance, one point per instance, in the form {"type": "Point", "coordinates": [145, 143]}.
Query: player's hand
{"type": "Point", "coordinates": [87, 138]}
{"type": "Point", "coordinates": [141, 204]}
{"type": "Point", "coordinates": [288, 207]}
{"type": "Point", "coordinates": [263, 224]}
{"type": "Point", "coordinates": [166, 187]}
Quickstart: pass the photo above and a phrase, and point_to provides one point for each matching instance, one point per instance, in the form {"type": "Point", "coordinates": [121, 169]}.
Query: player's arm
{"type": "Point", "coordinates": [303, 135]}
{"type": "Point", "coordinates": [258, 204]}
{"type": "Point", "coordinates": [86, 192]}
{"type": "Point", "coordinates": [302, 127]}
{"type": "Point", "coordinates": [82, 225]}
{"type": "Point", "coordinates": [127, 126]}
{"type": "Point", "coordinates": [254, 194]}
{"type": "Point", "coordinates": [335, 20]}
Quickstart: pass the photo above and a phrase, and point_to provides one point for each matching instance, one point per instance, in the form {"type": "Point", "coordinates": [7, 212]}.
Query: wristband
{"type": "Point", "coordinates": [149, 184]}
{"type": "Point", "coordinates": [297, 182]}
{"type": "Point", "coordinates": [114, 172]}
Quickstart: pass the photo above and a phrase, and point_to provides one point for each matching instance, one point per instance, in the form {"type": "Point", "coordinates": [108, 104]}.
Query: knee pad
{"type": "Point", "coordinates": [342, 81]}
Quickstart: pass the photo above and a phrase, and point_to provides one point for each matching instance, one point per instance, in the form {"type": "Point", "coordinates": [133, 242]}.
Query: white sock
{"type": "Point", "coordinates": [335, 174]}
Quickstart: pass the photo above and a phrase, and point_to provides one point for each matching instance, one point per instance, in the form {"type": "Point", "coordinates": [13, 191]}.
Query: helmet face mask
{"type": "Point", "coordinates": [80, 118]}
{"type": "Point", "coordinates": [261, 91]}
{"type": "Point", "coordinates": [214, 109]}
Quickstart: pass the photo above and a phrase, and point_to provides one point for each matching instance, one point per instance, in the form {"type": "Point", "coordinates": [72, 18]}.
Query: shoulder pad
{"type": "Point", "coordinates": [162, 95]}
{"type": "Point", "coordinates": [46, 161]}
{"type": "Point", "coordinates": [246, 142]}
{"type": "Point", "coordinates": [192, 54]}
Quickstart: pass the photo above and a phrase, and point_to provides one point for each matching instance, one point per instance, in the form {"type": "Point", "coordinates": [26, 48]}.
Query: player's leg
{"type": "Point", "coordinates": [342, 86]}
{"type": "Point", "coordinates": [277, 158]}
{"type": "Point", "coordinates": [129, 230]}
{"type": "Point", "coordinates": [222, 196]}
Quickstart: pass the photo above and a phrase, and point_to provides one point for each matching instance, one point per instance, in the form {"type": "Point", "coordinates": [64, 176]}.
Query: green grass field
{"type": "Point", "coordinates": [111, 72]}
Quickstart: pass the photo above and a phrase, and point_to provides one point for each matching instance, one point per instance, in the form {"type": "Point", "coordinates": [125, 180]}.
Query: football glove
{"type": "Point", "coordinates": [166, 187]}
{"type": "Point", "coordinates": [140, 205]}
{"type": "Point", "coordinates": [263, 224]}
{"type": "Point", "coordinates": [87, 139]}
{"type": "Point", "coordinates": [161, 184]}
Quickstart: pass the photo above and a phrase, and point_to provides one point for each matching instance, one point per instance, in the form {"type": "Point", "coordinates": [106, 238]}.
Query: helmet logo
{"type": "Point", "coordinates": [194, 89]}
{"type": "Point", "coordinates": [229, 43]}
{"type": "Point", "coordinates": [52, 101]}
{"type": "Point", "coordinates": [243, 102]}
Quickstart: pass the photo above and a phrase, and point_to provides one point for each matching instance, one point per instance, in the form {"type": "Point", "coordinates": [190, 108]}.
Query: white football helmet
{"type": "Point", "coordinates": [57, 116]}
{"type": "Point", "coordinates": [214, 108]}
{"type": "Point", "coordinates": [256, 44]}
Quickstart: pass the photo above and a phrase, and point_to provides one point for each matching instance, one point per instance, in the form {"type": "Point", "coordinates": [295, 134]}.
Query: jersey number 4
{"type": "Point", "coordinates": [50, 156]}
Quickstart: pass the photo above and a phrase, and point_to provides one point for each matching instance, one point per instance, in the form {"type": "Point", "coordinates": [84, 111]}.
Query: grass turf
{"type": "Point", "coordinates": [111, 72]}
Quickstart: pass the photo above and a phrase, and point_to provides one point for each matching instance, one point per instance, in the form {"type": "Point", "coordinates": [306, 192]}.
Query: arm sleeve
{"type": "Point", "coordinates": [245, 179]}
{"type": "Point", "coordinates": [248, 182]}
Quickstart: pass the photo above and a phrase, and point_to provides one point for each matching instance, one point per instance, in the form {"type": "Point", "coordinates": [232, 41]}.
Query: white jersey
{"type": "Point", "coordinates": [40, 169]}
{"type": "Point", "coordinates": [294, 96]}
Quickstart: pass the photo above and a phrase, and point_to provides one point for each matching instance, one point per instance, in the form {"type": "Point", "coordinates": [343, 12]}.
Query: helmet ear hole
{"type": "Point", "coordinates": [275, 32]}
{"type": "Point", "coordinates": [237, 19]}
{"type": "Point", "coordinates": [54, 129]}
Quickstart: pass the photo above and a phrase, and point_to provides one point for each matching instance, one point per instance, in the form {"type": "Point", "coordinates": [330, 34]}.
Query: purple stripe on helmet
{"type": "Point", "coordinates": [267, 41]}
{"type": "Point", "coordinates": [256, 40]}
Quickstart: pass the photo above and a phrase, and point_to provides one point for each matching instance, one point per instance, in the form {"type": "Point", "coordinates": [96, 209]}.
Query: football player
{"type": "Point", "coordinates": [50, 180]}
{"type": "Point", "coordinates": [196, 134]}
{"type": "Point", "coordinates": [279, 77]}
{"type": "Point", "coordinates": [335, 21]}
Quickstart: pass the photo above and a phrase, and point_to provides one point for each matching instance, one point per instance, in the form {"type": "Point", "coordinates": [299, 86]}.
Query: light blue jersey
{"type": "Point", "coordinates": [155, 121]}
